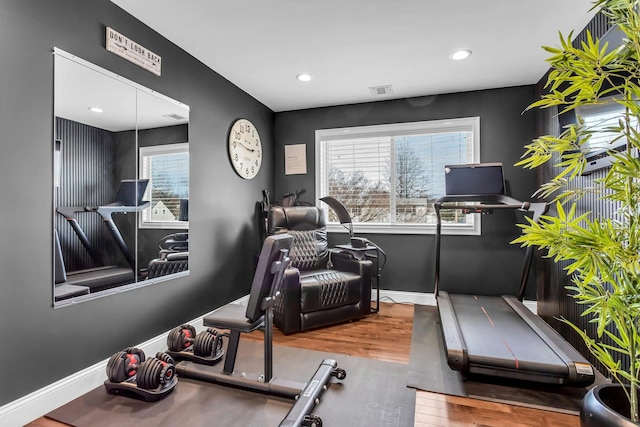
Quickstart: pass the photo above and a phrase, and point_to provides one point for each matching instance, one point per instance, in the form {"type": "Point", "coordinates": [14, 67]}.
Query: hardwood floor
{"type": "Point", "coordinates": [441, 410]}
{"type": "Point", "coordinates": [387, 336]}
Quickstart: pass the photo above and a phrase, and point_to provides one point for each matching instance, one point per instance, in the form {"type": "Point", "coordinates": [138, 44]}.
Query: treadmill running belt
{"type": "Point", "coordinates": [496, 336]}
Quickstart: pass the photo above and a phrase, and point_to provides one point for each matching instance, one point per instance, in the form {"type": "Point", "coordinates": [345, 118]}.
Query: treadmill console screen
{"type": "Point", "coordinates": [130, 192]}
{"type": "Point", "coordinates": [478, 178]}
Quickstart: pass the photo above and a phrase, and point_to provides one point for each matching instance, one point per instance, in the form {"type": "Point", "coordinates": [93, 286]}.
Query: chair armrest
{"type": "Point", "coordinates": [286, 312]}
{"type": "Point", "coordinates": [345, 261]}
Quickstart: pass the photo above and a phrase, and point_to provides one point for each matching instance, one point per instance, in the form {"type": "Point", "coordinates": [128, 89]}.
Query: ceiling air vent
{"type": "Point", "coordinates": [381, 90]}
{"type": "Point", "coordinates": [174, 116]}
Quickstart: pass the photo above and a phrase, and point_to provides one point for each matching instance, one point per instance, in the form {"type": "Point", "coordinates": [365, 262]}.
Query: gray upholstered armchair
{"type": "Point", "coordinates": [325, 286]}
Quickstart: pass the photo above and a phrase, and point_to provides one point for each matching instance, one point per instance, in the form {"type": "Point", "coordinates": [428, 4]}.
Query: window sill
{"type": "Point", "coordinates": [461, 230]}
{"type": "Point", "coordinates": [177, 225]}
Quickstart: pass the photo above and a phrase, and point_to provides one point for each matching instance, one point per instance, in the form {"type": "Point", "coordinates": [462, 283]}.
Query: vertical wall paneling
{"type": "Point", "coordinates": [554, 301]}
{"type": "Point", "coordinates": [86, 179]}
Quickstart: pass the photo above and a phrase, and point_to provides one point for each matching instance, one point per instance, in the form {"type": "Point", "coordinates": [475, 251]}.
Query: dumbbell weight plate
{"type": "Point", "coordinates": [217, 343]}
{"type": "Point", "coordinates": [204, 344]}
{"type": "Point", "coordinates": [115, 367]}
{"type": "Point", "coordinates": [149, 374]}
{"type": "Point", "coordinates": [167, 373]}
{"type": "Point", "coordinates": [181, 337]}
{"type": "Point", "coordinates": [124, 364]}
{"type": "Point", "coordinates": [164, 357]}
{"type": "Point", "coordinates": [169, 367]}
{"type": "Point", "coordinates": [174, 340]}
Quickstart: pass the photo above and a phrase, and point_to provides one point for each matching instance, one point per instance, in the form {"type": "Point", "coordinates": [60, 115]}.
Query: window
{"type": "Point", "coordinates": [388, 176]}
{"type": "Point", "coordinates": [603, 118]}
{"type": "Point", "coordinates": [167, 169]}
{"type": "Point", "coordinates": [600, 117]}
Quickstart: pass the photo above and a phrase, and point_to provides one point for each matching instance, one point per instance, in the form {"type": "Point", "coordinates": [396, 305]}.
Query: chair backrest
{"type": "Point", "coordinates": [169, 263]}
{"type": "Point", "coordinates": [308, 227]}
{"type": "Point", "coordinates": [264, 276]}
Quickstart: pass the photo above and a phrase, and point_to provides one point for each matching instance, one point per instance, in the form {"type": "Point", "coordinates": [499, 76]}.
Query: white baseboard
{"type": "Point", "coordinates": [425, 299]}
{"type": "Point", "coordinates": [35, 405]}
{"type": "Point", "coordinates": [402, 297]}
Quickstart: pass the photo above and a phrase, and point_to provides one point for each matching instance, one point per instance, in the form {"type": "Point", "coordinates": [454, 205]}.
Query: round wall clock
{"type": "Point", "coordinates": [245, 148]}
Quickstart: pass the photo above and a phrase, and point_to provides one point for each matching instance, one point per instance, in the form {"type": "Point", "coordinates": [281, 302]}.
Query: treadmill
{"type": "Point", "coordinates": [128, 199]}
{"type": "Point", "coordinates": [499, 336]}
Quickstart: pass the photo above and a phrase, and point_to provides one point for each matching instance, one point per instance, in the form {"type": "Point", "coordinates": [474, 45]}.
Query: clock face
{"type": "Point", "coordinates": [245, 149]}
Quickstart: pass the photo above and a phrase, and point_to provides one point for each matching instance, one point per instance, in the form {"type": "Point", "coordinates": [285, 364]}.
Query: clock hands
{"type": "Point", "coordinates": [245, 147]}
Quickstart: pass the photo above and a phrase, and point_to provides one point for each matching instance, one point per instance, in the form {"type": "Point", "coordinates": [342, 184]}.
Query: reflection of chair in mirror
{"type": "Point", "coordinates": [258, 313]}
{"type": "Point", "coordinates": [101, 277]}
{"type": "Point", "coordinates": [173, 256]}
{"type": "Point", "coordinates": [326, 286]}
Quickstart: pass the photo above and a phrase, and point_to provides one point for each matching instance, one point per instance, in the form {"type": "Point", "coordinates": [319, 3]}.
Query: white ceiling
{"type": "Point", "coordinates": [80, 85]}
{"type": "Point", "coordinates": [349, 45]}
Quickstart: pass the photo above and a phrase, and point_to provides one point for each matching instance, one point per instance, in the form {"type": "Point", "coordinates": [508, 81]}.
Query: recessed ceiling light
{"type": "Point", "coordinates": [460, 54]}
{"type": "Point", "coordinates": [304, 77]}
{"type": "Point", "coordinates": [95, 109]}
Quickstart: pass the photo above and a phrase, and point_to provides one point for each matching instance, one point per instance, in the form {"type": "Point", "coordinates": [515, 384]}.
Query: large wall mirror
{"type": "Point", "coordinates": [121, 183]}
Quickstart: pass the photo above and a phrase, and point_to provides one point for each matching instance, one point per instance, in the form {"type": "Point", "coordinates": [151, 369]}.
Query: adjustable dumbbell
{"type": "Point", "coordinates": [206, 346]}
{"type": "Point", "coordinates": [132, 365]}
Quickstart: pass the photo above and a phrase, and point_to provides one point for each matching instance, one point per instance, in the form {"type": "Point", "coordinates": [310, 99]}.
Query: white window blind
{"type": "Point", "coordinates": [600, 117]}
{"type": "Point", "coordinates": [167, 168]}
{"type": "Point", "coordinates": [388, 176]}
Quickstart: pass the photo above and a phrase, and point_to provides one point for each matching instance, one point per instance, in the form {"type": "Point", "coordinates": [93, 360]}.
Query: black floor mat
{"type": "Point", "coordinates": [374, 393]}
{"type": "Point", "coordinates": [428, 370]}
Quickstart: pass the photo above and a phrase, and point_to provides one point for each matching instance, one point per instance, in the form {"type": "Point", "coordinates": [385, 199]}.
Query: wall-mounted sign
{"type": "Point", "coordinates": [131, 51]}
{"type": "Point", "coordinates": [295, 159]}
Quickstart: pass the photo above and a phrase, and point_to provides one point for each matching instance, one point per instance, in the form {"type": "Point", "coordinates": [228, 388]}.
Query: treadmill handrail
{"type": "Point", "coordinates": [486, 203]}
{"type": "Point", "coordinates": [105, 212]}
{"type": "Point", "coordinates": [489, 202]}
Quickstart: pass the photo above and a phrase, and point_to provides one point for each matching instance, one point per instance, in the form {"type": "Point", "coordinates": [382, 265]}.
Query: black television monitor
{"type": "Point", "coordinates": [476, 178]}
{"type": "Point", "coordinates": [263, 277]}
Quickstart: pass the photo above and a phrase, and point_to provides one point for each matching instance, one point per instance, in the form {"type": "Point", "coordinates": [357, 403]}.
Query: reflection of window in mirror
{"type": "Point", "coordinates": [167, 169]}
{"type": "Point", "coordinates": [600, 117]}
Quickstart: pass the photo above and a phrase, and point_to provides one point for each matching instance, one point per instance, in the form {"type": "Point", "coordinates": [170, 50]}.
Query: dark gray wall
{"type": "Point", "coordinates": [43, 345]}
{"type": "Point", "coordinates": [485, 264]}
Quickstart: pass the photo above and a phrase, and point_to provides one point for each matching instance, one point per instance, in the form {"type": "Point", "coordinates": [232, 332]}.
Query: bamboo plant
{"type": "Point", "coordinates": [602, 254]}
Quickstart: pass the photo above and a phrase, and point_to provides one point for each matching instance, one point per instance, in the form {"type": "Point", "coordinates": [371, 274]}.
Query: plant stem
{"type": "Point", "coordinates": [633, 360]}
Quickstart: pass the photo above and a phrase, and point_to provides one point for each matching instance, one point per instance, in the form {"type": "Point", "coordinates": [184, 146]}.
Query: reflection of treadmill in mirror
{"type": "Point", "coordinates": [128, 199]}
{"type": "Point", "coordinates": [497, 336]}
